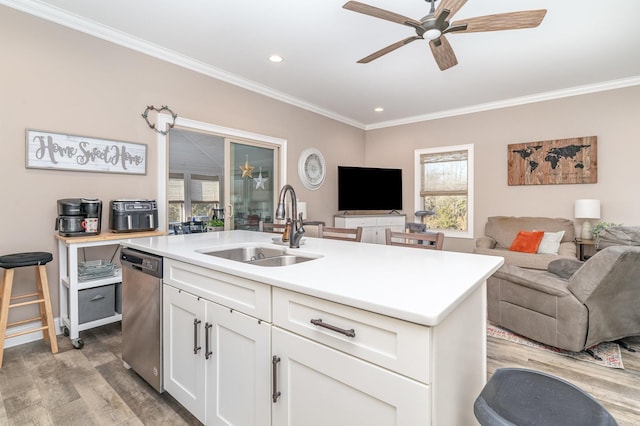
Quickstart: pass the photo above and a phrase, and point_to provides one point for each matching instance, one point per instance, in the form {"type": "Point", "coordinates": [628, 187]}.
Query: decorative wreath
{"type": "Point", "coordinates": [153, 125]}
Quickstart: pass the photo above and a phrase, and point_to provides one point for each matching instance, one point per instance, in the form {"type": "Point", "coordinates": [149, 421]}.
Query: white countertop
{"type": "Point", "coordinates": [420, 286]}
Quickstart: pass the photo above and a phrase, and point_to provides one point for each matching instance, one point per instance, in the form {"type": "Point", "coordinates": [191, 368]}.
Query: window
{"type": "Point", "coordinates": [192, 195]}
{"type": "Point", "coordinates": [205, 195]}
{"type": "Point", "coordinates": [444, 182]}
{"type": "Point", "coordinates": [175, 194]}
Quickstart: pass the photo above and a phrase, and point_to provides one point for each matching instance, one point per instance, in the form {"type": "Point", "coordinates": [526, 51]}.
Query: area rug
{"type": "Point", "coordinates": [609, 352]}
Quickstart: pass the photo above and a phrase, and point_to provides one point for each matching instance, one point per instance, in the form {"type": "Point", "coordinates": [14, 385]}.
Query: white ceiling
{"type": "Point", "coordinates": [581, 46]}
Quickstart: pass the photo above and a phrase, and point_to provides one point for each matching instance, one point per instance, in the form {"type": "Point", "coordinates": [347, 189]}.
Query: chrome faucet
{"type": "Point", "coordinates": [297, 230]}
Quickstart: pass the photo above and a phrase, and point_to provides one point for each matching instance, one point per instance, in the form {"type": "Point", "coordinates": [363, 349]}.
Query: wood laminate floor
{"type": "Point", "coordinates": [91, 387]}
{"type": "Point", "coordinates": [81, 387]}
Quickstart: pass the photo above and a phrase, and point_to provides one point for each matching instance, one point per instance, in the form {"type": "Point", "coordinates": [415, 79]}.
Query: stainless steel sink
{"type": "Point", "coordinates": [260, 256]}
{"type": "Point", "coordinates": [247, 254]}
{"type": "Point", "coordinates": [283, 260]}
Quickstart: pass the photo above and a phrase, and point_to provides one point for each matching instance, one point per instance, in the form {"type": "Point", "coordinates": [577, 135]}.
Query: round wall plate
{"type": "Point", "coordinates": [312, 168]}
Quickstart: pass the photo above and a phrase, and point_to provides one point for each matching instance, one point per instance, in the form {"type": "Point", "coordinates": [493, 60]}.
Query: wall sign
{"type": "Point", "coordinates": [561, 161]}
{"type": "Point", "coordinates": [78, 153]}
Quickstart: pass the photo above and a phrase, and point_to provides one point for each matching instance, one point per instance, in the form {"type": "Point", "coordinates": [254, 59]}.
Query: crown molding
{"type": "Point", "coordinates": [540, 97]}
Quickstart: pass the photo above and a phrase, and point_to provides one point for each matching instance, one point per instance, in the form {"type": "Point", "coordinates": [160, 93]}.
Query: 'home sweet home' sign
{"type": "Point", "coordinates": [69, 152]}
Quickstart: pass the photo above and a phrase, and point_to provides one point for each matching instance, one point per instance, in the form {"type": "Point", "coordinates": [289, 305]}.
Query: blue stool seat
{"type": "Point", "coordinates": [18, 260]}
{"type": "Point", "coordinates": [40, 297]}
{"type": "Point", "coordinates": [515, 396]}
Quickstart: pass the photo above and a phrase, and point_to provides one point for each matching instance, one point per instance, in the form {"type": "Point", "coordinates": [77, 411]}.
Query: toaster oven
{"type": "Point", "coordinates": [133, 215]}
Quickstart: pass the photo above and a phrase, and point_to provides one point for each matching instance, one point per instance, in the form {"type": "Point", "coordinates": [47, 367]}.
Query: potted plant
{"type": "Point", "coordinates": [215, 225]}
{"type": "Point", "coordinates": [598, 227]}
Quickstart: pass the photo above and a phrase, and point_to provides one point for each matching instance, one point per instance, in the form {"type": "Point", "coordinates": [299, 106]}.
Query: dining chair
{"type": "Point", "coordinates": [423, 240]}
{"type": "Point", "coordinates": [276, 228]}
{"type": "Point", "coordinates": [344, 234]}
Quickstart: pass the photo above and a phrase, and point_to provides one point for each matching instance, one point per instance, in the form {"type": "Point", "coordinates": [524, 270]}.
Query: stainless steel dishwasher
{"type": "Point", "coordinates": [142, 315]}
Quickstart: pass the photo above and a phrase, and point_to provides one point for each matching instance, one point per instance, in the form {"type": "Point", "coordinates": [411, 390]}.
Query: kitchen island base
{"type": "Point", "coordinates": [390, 346]}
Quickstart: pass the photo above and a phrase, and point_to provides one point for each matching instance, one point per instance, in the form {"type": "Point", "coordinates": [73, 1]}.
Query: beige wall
{"type": "Point", "coordinates": [60, 80]}
{"type": "Point", "coordinates": [612, 116]}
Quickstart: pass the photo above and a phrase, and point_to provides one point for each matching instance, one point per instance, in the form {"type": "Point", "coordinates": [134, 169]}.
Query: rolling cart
{"type": "Point", "coordinates": [70, 285]}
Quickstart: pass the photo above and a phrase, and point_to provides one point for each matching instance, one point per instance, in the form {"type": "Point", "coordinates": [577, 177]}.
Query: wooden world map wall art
{"type": "Point", "coordinates": [561, 161]}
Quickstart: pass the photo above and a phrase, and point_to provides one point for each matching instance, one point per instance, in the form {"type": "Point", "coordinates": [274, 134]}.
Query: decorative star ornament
{"type": "Point", "coordinates": [260, 181]}
{"type": "Point", "coordinates": [247, 169]}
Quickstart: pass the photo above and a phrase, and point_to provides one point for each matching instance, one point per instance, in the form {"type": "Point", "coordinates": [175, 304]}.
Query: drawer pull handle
{"type": "Point", "coordinates": [348, 333]}
{"type": "Point", "coordinates": [196, 324]}
{"type": "Point", "coordinates": [207, 331]}
{"type": "Point", "coordinates": [274, 370]}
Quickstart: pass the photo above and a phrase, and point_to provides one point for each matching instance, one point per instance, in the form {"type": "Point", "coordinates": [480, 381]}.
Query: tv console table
{"type": "Point", "coordinates": [373, 225]}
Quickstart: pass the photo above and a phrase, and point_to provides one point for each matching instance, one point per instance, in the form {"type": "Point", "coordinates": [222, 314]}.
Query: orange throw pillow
{"type": "Point", "coordinates": [527, 241]}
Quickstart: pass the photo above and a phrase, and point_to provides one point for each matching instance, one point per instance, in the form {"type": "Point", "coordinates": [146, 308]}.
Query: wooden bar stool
{"type": "Point", "coordinates": [42, 298]}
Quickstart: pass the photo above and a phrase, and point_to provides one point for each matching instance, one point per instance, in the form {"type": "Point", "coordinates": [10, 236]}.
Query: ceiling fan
{"type": "Point", "coordinates": [435, 25]}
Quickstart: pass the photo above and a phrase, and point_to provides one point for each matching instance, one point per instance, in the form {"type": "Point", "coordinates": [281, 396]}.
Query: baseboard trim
{"type": "Point", "coordinates": [27, 338]}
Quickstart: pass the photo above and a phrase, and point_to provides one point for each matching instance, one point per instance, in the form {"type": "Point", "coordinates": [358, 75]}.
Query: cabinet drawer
{"type": "Point", "coordinates": [388, 342]}
{"type": "Point", "coordinates": [391, 221]}
{"type": "Point", "coordinates": [354, 222]}
{"type": "Point", "coordinates": [247, 296]}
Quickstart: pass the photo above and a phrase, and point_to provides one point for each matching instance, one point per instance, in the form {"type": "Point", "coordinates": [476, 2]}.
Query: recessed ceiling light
{"type": "Point", "coordinates": [378, 109]}
{"type": "Point", "coordinates": [276, 58]}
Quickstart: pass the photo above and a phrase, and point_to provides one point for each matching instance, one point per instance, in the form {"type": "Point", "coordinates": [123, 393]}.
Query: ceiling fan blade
{"type": "Point", "coordinates": [388, 49]}
{"type": "Point", "coordinates": [380, 13]}
{"type": "Point", "coordinates": [452, 5]}
{"type": "Point", "coordinates": [503, 21]}
{"type": "Point", "coordinates": [443, 53]}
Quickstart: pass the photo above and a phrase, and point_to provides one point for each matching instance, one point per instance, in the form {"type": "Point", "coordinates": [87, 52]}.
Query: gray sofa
{"type": "Point", "coordinates": [598, 302]}
{"type": "Point", "coordinates": [500, 231]}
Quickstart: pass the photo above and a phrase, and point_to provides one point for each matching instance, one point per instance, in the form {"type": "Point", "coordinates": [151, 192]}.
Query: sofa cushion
{"type": "Point", "coordinates": [550, 242]}
{"type": "Point", "coordinates": [527, 241]}
{"type": "Point", "coordinates": [524, 260]}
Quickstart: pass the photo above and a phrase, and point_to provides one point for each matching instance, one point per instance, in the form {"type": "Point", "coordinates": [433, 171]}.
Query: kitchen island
{"type": "Point", "coordinates": [361, 334]}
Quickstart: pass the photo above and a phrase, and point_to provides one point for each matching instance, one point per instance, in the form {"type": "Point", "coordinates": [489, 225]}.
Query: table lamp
{"type": "Point", "coordinates": [587, 209]}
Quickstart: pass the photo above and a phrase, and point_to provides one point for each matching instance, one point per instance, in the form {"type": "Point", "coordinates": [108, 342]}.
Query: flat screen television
{"type": "Point", "coordinates": [369, 188]}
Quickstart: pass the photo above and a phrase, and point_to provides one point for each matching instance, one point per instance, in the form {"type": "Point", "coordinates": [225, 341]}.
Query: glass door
{"type": "Point", "coordinates": [252, 179]}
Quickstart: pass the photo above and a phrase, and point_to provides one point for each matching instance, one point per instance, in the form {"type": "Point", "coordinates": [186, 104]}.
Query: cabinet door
{"type": "Point", "coordinates": [395, 223]}
{"type": "Point", "coordinates": [183, 322]}
{"type": "Point", "coordinates": [370, 235]}
{"type": "Point", "coordinates": [320, 386]}
{"type": "Point", "coordinates": [238, 365]}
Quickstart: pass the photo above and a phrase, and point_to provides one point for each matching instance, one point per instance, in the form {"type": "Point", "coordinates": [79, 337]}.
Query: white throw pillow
{"type": "Point", "coordinates": [550, 242]}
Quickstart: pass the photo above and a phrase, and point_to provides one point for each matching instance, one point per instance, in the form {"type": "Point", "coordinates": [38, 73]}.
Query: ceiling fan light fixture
{"type": "Point", "coordinates": [378, 109]}
{"type": "Point", "coordinates": [432, 34]}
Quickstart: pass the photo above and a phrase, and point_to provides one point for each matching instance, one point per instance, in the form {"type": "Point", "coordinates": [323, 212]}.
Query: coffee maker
{"type": "Point", "coordinates": [79, 217]}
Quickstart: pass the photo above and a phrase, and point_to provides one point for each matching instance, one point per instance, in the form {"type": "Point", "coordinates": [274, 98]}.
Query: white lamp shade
{"type": "Point", "coordinates": [587, 209]}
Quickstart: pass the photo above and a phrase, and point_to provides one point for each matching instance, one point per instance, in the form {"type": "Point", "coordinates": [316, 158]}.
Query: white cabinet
{"type": "Point", "coordinates": [217, 360]}
{"type": "Point", "coordinates": [238, 379]}
{"type": "Point", "coordinates": [183, 363]}
{"type": "Point", "coordinates": [321, 386]}
{"type": "Point", "coordinates": [346, 366]}
{"type": "Point", "coordinates": [340, 365]}
{"type": "Point", "coordinates": [373, 226]}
